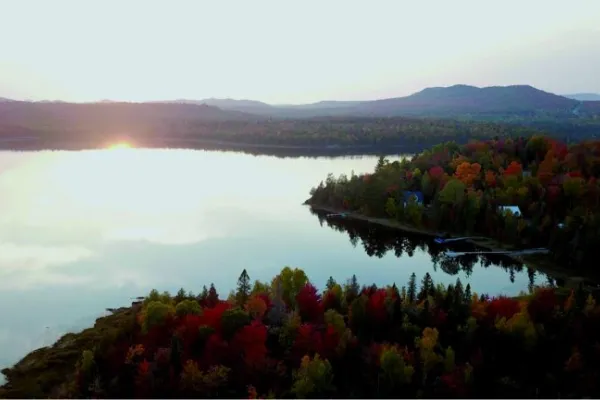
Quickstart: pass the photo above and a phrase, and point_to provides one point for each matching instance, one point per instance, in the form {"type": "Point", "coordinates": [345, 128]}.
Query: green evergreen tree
{"type": "Point", "coordinates": [330, 283]}
{"type": "Point", "coordinates": [412, 287]}
{"type": "Point", "coordinates": [204, 294]}
{"type": "Point", "coordinates": [243, 289]}
{"type": "Point", "coordinates": [449, 297]}
{"type": "Point", "coordinates": [468, 294]}
{"type": "Point", "coordinates": [458, 291]}
{"type": "Point", "coordinates": [351, 290]}
{"type": "Point", "coordinates": [180, 296]}
{"type": "Point", "coordinates": [381, 162]}
{"type": "Point", "coordinates": [427, 288]}
{"type": "Point", "coordinates": [213, 297]}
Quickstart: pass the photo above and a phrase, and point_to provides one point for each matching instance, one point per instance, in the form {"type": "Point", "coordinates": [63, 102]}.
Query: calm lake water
{"type": "Point", "coordinates": [83, 231]}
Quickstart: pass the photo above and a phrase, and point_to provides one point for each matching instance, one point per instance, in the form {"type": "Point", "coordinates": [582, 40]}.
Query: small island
{"type": "Point", "coordinates": [525, 193]}
{"type": "Point", "coordinates": [286, 339]}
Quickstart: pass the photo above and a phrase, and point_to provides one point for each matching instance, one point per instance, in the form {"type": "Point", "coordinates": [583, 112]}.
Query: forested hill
{"type": "Point", "coordinates": [459, 113]}
{"type": "Point", "coordinates": [464, 101]}
{"type": "Point", "coordinates": [464, 187]}
{"type": "Point", "coordinates": [201, 126]}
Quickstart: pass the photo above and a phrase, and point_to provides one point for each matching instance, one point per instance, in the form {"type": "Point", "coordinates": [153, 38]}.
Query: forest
{"type": "Point", "coordinates": [463, 189]}
{"type": "Point", "coordinates": [287, 339]}
{"type": "Point", "coordinates": [33, 126]}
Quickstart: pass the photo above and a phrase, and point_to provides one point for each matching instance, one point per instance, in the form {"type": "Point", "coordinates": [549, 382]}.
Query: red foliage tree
{"type": "Point", "coordinates": [502, 307]}
{"type": "Point", "coordinates": [308, 341]}
{"type": "Point", "coordinates": [490, 178]}
{"type": "Point", "coordinates": [376, 305]}
{"type": "Point", "coordinates": [331, 301]}
{"type": "Point", "coordinates": [514, 168]}
{"type": "Point", "coordinates": [188, 329]}
{"type": "Point", "coordinates": [251, 342]}
{"type": "Point", "coordinates": [212, 316]}
{"type": "Point", "coordinates": [436, 172]}
{"type": "Point", "coordinates": [541, 306]}
{"type": "Point", "coordinates": [215, 350]}
{"type": "Point", "coordinates": [331, 339]}
{"type": "Point", "coordinates": [309, 303]}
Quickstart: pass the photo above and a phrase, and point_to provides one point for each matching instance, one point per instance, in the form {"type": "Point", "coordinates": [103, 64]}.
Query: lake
{"type": "Point", "coordinates": [82, 231]}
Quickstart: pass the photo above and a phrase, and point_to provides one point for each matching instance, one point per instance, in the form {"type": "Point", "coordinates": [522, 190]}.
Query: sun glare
{"type": "Point", "coordinates": [119, 146]}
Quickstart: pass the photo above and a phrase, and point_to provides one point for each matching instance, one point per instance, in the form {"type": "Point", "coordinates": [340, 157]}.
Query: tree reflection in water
{"type": "Point", "coordinates": [378, 240]}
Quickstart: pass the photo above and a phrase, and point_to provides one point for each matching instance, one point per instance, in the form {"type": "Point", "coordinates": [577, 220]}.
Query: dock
{"type": "Point", "coordinates": [499, 252]}
{"type": "Point", "coordinates": [440, 240]}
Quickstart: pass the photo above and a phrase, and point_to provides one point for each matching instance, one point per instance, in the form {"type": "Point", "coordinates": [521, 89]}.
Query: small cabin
{"type": "Point", "coordinates": [515, 210]}
{"type": "Point", "coordinates": [526, 173]}
{"type": "Point", "coordinates": [407, 194]}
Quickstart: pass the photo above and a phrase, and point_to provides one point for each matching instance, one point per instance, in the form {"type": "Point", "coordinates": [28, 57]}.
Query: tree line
{"type": "Point", "coordinates": [464, 187]}
{"type": "Point", "coordinates": [286, 339]}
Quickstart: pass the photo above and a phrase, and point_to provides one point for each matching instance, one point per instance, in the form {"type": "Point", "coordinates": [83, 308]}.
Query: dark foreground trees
{"type": "Point", "coordinates": [291, 340]}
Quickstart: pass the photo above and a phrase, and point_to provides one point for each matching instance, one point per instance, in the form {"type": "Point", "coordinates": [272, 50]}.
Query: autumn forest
{"type": "Point", "coordinates": [287, 339]}
{"type": "Point", "coordinates": [463, 189]}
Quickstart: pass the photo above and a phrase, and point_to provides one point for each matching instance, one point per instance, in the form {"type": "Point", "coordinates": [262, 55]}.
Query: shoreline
{"type": "Point", "coordinates": [198, 143]}
{"type": "Point", "coordinates": [541, 264]}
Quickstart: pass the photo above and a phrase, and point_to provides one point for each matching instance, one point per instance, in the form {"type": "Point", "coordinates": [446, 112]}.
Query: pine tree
{"type": "Point", "coordinates": [243, 289]}
{"type": "Point", "coordinates": [381, 162]}
{"type": "Point", "coordinates": [204, 294]}
{"type": "Point", "coordinates": [180, 296]}
{"type": "Point", "coordinates": [412, 288]}
{"type": "Point", "coordinates": [330, 283]}
{"type": "Point", "coordinates": [458, 291]}
{"type": "Point", "coordinates": [426, 286]}
{"type": "Point", "coordinates": [467, 297]}
{"type": "Point", "coordinates": [213, 297]}
{"type": "Point", "coordinates": [449, 298]}
{"type": "Point", "coordinates": [352, 290]}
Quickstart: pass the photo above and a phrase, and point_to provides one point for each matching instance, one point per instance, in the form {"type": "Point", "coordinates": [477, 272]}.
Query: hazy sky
{"type": "Point", "coordinates": [292, 52]}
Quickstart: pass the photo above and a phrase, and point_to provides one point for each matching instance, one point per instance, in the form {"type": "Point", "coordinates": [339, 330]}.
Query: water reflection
{"type": "Point", "coordinates": [377, 241]}
{"type": "Point", "coordinates": [81, 231]}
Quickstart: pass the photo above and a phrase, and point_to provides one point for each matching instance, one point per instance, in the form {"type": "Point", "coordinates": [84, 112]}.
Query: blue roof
{"type": "Point", "coordinates": [419, 195]}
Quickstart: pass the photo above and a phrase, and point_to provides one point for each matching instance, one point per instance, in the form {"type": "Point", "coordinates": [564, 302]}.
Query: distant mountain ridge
{"type": "Point", "coordinates": [457, 101]}
{"type": "Point", "coordinates": [453, 101]}
{"type": "Point", "coordinates": [583, 96]}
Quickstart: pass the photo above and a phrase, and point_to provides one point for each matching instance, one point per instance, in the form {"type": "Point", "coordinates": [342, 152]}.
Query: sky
{"type": "Point", "coordinates": [291, 52]}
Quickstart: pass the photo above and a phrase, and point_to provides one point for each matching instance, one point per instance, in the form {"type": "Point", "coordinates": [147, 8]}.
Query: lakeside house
{"type": "Point", "coordinates": [407, 194]}
{"type": "Point", "coordinates": [515, 210]}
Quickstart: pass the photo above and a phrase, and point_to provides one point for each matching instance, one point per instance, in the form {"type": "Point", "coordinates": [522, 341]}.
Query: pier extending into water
{"type": "Point", "coordinates": [524, 252]}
